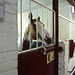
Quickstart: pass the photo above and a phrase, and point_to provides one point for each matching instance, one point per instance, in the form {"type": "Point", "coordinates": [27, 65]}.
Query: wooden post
{"type": "Point", "coordinates": [55, 8]}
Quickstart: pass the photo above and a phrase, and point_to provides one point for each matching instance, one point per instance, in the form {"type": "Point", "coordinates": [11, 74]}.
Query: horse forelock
{"type": "Point", "coordinates": [33, 21]}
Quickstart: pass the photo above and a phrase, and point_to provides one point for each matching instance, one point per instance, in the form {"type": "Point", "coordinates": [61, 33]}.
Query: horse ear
{"type": "Point", "coordinates": [30, 15]}
{"type": "Point", "coordinates": [39, 18]}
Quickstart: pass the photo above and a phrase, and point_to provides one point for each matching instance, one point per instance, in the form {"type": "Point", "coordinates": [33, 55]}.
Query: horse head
{"type": "Point", "coordinates": [31, 28]}
{"type": "Point", "coordinates": [44, 34]}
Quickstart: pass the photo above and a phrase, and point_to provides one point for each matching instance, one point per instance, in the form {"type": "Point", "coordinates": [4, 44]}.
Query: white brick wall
{"type": "Point", "coordinates": [10, 18]}
{"type": "Point", "coordinates": [11, 72]}
{"type": "Point", "coordinates": [8, 39]}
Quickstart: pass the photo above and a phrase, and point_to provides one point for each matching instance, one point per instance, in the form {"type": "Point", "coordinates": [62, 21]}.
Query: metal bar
{"type": "Point", "coordinates": [17, 24]}
{"type": "Point", "coordinates": [34, 49]}
{"type": "Point", "coordinates": [21, 23]}
{"type": "Point", "coordinates": [60, 29]}
{"type": "Point", "coordinates": [42, 26]}
{"type": "Point", "coordinates": [47, 19]}
{"type": "Point", "coordinates": [30, 23]}
{"type": "Point", "coordinates": [68, 30]}
{"type": "Point", "coordinates": [37, 26]}
{"type": "Point", "coordinates": [37, 33]}
{"type": "Point", "coordinates": [43, 5]}
{"type": "Point", "coordinates": [66, 19]}
{"type": "Point", "coordinates": [38, 40]}
{"type": "Point", "coordinates": [29, 50]}
{"type": "Point", "coordinates": [54, 28]}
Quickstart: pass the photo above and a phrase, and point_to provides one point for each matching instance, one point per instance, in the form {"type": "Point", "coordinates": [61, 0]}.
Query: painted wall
{"type": "Point", "coordinates": [64, 10]}
{"type": "Point", "coordinates": [8, 39]}
{"type": "Point", "coordinates": [72, 27]}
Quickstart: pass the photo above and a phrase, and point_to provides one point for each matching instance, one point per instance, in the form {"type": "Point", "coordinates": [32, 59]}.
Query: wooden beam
{"type": "Point", "coordinates": [55, 8]}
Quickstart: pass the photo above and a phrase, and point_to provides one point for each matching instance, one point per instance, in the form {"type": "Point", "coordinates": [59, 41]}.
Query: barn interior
{"type": "Point", "coordinates": [57, 18]}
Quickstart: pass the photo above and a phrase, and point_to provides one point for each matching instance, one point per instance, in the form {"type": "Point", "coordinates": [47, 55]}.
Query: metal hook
{"type": "Point", "coordinates": [44, 49]}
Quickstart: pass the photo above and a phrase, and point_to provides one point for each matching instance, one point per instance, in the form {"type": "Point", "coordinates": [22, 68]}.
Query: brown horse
{"type": "Point", "coordinates": [26, 36]}
{"type": "Point", "coordinates": [32, 33]}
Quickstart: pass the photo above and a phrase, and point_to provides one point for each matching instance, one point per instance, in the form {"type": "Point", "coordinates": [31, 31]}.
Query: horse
{"type": "Point", "coordinates": [32, 33]}
{"type": "Point", "coordinates": [47, 38]}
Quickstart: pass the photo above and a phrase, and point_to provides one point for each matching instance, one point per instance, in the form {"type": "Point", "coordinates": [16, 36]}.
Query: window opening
{"type": "Point", "coordinates": [35, 27]}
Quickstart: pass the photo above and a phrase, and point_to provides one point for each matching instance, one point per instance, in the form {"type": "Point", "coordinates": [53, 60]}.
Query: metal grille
{"type": "Point", "coordinates": [45, 19]}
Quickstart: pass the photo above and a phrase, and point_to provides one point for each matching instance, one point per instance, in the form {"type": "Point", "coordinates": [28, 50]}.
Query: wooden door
{"type": "Point", "coordinates": [35, 63]}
